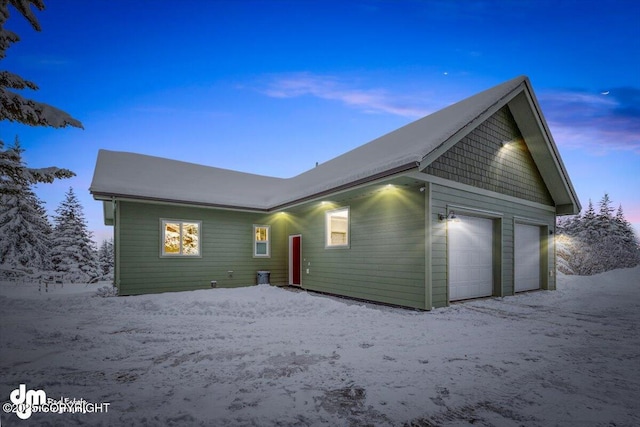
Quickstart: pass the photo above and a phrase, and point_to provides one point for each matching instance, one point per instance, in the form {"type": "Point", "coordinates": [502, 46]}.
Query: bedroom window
{"type": "Point", "coordinates": [261, 241]}
{"type": "Point", "coordinates": [180, 238]}
{"type": "Point", "coordinates": [337, 228]}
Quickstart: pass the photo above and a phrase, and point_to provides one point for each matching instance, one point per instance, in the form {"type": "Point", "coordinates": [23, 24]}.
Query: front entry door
{"type": "Point", "coordinates": [295, 259]}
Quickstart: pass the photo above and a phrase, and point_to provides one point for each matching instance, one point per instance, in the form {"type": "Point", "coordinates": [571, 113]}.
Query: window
{"type": "Point", "coordinates": [261, 241]}
{"type": "Point", "coordinates": [337, 228]}
{"type": "Point", "coordinates": [180, 238]}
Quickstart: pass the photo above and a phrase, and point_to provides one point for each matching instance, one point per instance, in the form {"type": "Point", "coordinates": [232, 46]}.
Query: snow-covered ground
{"type": "Point", "coordinates": [266, 356]}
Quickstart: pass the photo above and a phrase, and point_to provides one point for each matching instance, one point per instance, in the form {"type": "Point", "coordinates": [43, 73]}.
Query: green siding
{"type": "Point", "coordinates": [227, 245]}
{"type": "Point", "coordinates": [385, 261]}
{"type": "Point", "coordinates": [390, 259]}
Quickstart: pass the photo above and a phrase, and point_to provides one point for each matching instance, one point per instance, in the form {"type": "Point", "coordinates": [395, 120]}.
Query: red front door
{"type": "Point", "coordinates": [295, 261]}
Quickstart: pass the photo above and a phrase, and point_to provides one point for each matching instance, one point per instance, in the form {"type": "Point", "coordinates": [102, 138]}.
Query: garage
{"type": "Point", "coordinates": [470, 258]}
{"type": "Point", "coordinates": [527, 257]}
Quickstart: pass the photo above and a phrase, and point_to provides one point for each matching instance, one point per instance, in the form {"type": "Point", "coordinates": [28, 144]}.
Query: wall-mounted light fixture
{"type": "Point", "coordinates": [449, 217]}
{"type": "Point", "coordinates": [511, 142]}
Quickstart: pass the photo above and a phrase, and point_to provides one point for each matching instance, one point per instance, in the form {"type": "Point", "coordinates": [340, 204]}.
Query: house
{"type": "Point", "coordinates": [459, 204]}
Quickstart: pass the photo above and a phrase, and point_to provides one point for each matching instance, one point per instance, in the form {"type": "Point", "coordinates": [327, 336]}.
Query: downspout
{"type": "Point", "coordinates": [116, 243]}
{"type": "Point", "coordinates": [428, 270]}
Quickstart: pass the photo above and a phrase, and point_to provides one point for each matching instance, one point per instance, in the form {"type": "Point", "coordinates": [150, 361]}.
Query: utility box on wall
{"type": "Point", "coordinates": [264, 277]}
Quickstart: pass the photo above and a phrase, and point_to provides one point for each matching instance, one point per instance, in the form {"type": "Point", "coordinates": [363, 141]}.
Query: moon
{"type": "Point", "coordinates": [606, 92]}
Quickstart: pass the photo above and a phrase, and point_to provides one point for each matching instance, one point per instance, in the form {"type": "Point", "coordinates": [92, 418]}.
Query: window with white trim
{"type": "Point", "coordinates": [180, 238]}
{"type": "Point", "coordinates": [262, 241]}
{"type": "Point", "coordinates": [337, 228]}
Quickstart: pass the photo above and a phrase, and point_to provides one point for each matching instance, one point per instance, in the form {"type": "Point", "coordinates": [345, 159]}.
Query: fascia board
{"type": "Point", "coordinates": [530, 120]}
{"type": "Point", "coordinates": [171, 202]}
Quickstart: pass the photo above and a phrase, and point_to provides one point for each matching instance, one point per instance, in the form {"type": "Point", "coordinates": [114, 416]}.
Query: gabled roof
{"type": "Point", "coordinates": [411, 147]}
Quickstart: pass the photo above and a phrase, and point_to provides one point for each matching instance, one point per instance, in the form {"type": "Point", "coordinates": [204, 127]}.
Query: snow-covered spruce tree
{"type": "Point", "coordinates": [13, 106]}
{"type": "Point", "coordinates": [628, 254]}
{"type": "Point", "coordinates": [72, 252]}
{"type": "Point", "coordinates": [596, 241]}
{"type": "Point", "coordinates": [574, 239]}
{"type": "Point", "coordinates": [105, 258]}
{"type": "Point", "coordinates": [24, 226]}
{"type": "Point", "coordinates": [605, 248]}
{"type": "Point", "coordinates": [565, 243]}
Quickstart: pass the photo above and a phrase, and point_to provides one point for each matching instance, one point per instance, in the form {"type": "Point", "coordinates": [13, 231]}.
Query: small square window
{"type": "Point", "coordinates": [261, 241]}
{"type": "Point", "coordinates": [180, 238]}
{"type": "Point", "coordinates": [337, 228]}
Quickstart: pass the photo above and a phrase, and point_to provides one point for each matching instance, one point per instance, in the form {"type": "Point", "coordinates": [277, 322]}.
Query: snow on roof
{"type": "Point", "coordinates": [142, 176]}
{"type": "Point", "coordinates": [138, 175]}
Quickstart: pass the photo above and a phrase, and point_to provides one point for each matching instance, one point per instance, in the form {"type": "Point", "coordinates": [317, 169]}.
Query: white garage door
{"type": "Point", "coordinates": [470, 258]}
{"type": "Point", "coordinates": [527, 274]}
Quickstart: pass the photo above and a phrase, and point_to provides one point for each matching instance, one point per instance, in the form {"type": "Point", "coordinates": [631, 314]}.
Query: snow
{"type": "Point", "coordinates": [130, 174]}
{"type": "Point", "coordinates": [268, 356]}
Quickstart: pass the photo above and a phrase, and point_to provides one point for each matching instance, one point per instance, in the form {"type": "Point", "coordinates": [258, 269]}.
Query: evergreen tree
{"type": "Point", "coordinates": [596, 242]}
{"type": "Point", "coordinates": [73, 253]}
{"type": "Point", "coordinates": [24, 226]}
{"type": "Point", "coordinates": [13, 106]}
{"type": "Point", "coordinates": [629, 246]}
{"type": "Point", "coordinates": [25, 231]}
{"type": "Point", "coordinates": [586, 236]}
{"type": "Point", "coordinates": [15, 174]}
{"type": "Point", "coordinates": [106, 258]}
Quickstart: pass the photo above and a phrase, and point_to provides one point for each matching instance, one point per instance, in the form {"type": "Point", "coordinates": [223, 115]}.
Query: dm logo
{"type": "Point", "coordinates": [25, 400]}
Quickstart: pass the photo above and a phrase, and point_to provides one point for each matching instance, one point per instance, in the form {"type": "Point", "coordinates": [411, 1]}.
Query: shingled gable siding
{"type": "Point", "coordinates": [385, 261]}
{"type": "Point", "coordinates": [227, 242]}
{"type": "Point", "coordinates": [480, 160]}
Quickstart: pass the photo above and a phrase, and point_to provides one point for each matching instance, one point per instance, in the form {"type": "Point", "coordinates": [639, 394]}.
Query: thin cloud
{"type": "Point", "coordinates": [578, 119]}
{"type": "Point", "coordinates": [597, 121]}
{"type": "Point", "coordinates": [331, 88]}
{"type": "Point", "coordinates": [46, 61]}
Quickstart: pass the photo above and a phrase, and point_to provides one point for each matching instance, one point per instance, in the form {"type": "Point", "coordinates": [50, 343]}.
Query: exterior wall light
{"type": "Point", "coordinates": [450, 217]}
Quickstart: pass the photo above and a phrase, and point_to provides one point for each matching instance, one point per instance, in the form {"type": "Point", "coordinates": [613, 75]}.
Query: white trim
{"type": "Point", "coordinates": [468, 211]}
{"type": "Point", "coordinates": [268, 241]}
{"type": "Point", "coordinates": [164, 221]}
{"type": "Point", "coordinates": [328, 230]}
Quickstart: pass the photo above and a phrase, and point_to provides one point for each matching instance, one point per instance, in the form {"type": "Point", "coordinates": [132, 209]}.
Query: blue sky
{"type": "Point", "coordinates": [272, 87]}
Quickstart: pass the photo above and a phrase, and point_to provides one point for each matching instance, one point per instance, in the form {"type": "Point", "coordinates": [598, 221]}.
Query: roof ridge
{"type": "Point", "coordinates": [398, 149]}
